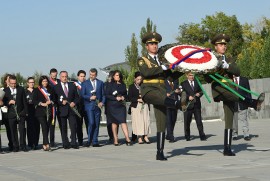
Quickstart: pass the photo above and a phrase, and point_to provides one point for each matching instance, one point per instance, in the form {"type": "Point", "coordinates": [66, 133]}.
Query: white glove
{"type": "Point", "coordinates": [164, 67]}
{"type": "Point", "coordinates": [225, 65]}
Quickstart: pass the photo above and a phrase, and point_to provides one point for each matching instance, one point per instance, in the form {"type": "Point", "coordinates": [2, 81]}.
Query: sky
{"type": "Point", "coordinates": [70, 35]}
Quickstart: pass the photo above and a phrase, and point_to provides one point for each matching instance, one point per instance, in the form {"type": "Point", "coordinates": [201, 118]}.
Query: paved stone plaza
{"type": "Point", "coordinates": [193, 160]}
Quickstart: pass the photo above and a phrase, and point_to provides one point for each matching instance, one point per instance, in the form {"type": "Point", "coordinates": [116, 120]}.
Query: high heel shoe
{"type": "Point", "coordinates": [44, 148]}
{"type": "Point", "coordinates": [140, 141]}
{"type": "Point", "coordinates": [128, 143]}
{"type": "Point", "coordinates": [116, 144]}
{"type": "Point", "coordinates": [147, 141]}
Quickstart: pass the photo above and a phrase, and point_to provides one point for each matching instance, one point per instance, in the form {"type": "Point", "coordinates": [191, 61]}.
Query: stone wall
{"type": "Point", "coordinates": [214, 110]}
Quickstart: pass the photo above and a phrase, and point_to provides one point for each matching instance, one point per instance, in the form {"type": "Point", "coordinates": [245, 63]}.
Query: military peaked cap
{"type": "Point", "coordinates": [220, 39]}
{"type": "Point", "coordinates": [152, 37]}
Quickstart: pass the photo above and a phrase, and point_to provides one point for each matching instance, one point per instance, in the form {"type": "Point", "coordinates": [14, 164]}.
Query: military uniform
{"type": "Point", "coordinates": [153, 89]}
{"type": "Point", "coordinates": [220, 93]}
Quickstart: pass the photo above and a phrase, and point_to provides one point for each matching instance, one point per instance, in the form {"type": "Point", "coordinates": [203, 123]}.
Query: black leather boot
{"type": "Point", "coordinates": [227, 143]}
{"type": "Point", "coordinates": [160, 146]}
{"type": "Point", "coordinates": [255, 103]}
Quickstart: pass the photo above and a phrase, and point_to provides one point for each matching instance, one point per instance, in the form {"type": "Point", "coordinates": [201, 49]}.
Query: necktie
{"type": "Point", "coordinates": [94, 84]}
{"type": "Point", "coordinates": [155, 58]}
{"type": "Point", "coordinates": [65, 90]}
{"type": "Point", "coordinates": [236, 81]}
{"type": "Point", "coordinates": [191, 84]}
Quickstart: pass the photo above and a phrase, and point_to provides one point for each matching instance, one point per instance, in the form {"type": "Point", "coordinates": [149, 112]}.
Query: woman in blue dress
{"type": "Point", "coordinates": [116, 94]}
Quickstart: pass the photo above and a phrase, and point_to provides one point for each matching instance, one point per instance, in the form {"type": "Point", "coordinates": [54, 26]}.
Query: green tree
{"type": "Point", "coordinates": [150, 27]}
{"type": "Point", "coordinates": [20, 79]}
{"type": "Point", "coordinates": [36, 76]}
{"type": "Point", "coordinates": [201, 34]}
{"type": "Point", "coordinates": [131, 52]}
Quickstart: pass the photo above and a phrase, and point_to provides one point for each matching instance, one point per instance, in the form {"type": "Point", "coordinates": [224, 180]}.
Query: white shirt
{"type": "Point", "coordinates": [94, 84]}
{"type": "Point", "coordinates": [13, 92]}
{"type": "Point", "coordinates": [153, 56]}
{"type": "Point", "coordinates": [191, 83]}
{"type": "Point", "coordinates": [236, 79]}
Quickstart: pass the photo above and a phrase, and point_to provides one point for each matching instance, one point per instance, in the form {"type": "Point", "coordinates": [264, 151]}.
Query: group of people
{"type": "Point", "coordinates": [82, 101]}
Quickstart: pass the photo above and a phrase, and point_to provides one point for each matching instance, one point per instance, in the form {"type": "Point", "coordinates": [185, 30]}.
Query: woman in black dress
{"type": "Point", "coordinates": [43, 99]}
{"type": "Point", "coordinates": [116, 94]}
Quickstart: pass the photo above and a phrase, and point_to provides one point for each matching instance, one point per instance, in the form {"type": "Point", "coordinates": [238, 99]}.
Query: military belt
{"type": "Point", "coordinates": [153, 81]}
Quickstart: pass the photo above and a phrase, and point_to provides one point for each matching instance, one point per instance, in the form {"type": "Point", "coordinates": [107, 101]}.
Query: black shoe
{"type": "Point", "coordinates": [247, 138]}
{"type": "Point", "coordinates": [171, 140]}
{"type": "Point", "coordinates": [228, 152]}
{"type": "Point", "coordinates": [66, 147]}
{"type": "Point", "coordinates": [128, 143]}
{"type": "Point", "coordinates": [96, 145]}
{"type": "Point", "coordinates": [16, 149]}
{"type": "Point", "coordinates": [187, 138]}
{"type": "Point", "coordinates": [235, 138]}
{"type": "Point", "coordinates": [203, 138]}
{"type": "Point", "coordinates": [24, 149]}
{"type": "Point", "coordinates": [87, 145]}
{"type": "Point", "coordinates": [80, 143]}
{"type": "Point", "coordinates": [52, 144]}
{"type": "Point", "coordinates": [116, 144]}
{"type": "Point", "coordinates": [160, 156]}
{"type": "Point", "coordinates": [75, 146]}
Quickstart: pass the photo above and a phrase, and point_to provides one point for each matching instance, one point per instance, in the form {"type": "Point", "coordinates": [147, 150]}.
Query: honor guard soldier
{"type": "Point", "coordinates": [153, 89]}
{"type": "Point", "coordinates": [227, 69]}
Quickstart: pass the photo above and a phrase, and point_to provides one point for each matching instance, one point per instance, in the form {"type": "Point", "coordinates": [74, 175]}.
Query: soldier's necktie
{"type": "Point", "coordinates": [65, 90]}
{"type": "Point", "coordinates": [155, 58]}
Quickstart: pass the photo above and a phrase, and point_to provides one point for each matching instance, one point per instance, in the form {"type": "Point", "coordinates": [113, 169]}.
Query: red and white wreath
{"type": "Point", "coordinates": [191, 58]}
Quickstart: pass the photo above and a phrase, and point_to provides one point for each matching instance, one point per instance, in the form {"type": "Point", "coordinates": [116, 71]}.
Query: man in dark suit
{"type": "Point", "coordinates": [80, 79]}
{"type": "Point", "coordinates": [194, 93]}
{"type": "Point", "coordinates": [94, 98]}
{"type": "Point", "coordinates": [15, 100]}
{"type": "Point", "coordinates": [53, 81]}
{"type": "Point", "coordinates": [67, 98]}
{"type": "Point", "coordinates": [241, 110]}
{"type": "Point", "coordinates": [173, 91]}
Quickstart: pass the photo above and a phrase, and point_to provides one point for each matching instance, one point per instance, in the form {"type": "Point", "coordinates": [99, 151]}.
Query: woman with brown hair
{"type": "Point", "coordinates": [116, 94]}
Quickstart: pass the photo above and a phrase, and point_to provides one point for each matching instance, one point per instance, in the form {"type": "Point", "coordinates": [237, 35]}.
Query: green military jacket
{"type": "Point", "coordinates": [150, 70]}
{"type": "Point", "coordinates": [227, 73]}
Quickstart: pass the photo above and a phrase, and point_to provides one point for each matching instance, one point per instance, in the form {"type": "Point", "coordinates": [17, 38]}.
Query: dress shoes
{"type": "Point", "coordinates": [171, 140]}
{"type": "Point", "coordinates": [75, 146]}
{"type": "Point", "coordinates": [187, 138]}
{"type": "Point", "coordinates": [66, 147]}
{"type": "Point", "coordinates": [128, 143]}
{"type": "Point", "coordinates": [235, 138]}
{"type": "Point", "coordinates": [247, 138]}
{"type": "Point", "coordinates": [96, 145]}
{"type": "Point", "coordinates": [24, 149]}
{"type": "Point", "coordinates": [203, 138]}
{"type": "Point", "coordinates": [80, 143]}
{"type": "Point", "coordinates": [87, 145]}
{"type": "Point", "coordinates": [16, 149]}
{"type": "Point", "coordinates": [116, 144]}
{"type": "Point", "coordinates": [52, 144]}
